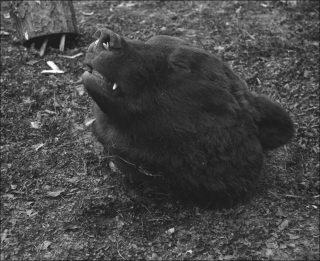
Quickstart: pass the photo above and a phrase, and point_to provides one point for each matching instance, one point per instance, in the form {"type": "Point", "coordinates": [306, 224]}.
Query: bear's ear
{"type": "Point", "coordinates": [180, 60]}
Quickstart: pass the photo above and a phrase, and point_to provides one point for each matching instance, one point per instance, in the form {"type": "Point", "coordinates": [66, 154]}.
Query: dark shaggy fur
{"type": "Point", "coordinates": [179, 111]}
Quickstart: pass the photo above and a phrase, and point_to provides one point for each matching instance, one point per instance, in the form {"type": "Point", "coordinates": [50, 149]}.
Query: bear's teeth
{"type": "Point", "coordinates": [106, 45]}
{"type": "Point", "coordinates": [114, 87]}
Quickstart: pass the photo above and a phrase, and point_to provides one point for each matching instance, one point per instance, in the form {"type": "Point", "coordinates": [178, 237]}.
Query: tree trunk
{"type": "Point", "coordinates": [44, 22]}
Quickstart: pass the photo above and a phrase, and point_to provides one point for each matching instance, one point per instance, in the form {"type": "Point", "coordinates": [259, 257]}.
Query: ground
{"type": "Point", "coordinates": [61, 199]}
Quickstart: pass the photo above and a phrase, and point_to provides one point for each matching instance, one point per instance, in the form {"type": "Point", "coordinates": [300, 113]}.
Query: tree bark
{"type": "Point", "coordinates": [44, 20]}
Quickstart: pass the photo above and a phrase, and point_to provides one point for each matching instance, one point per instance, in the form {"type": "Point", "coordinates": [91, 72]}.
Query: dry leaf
{"type": "Point", "coordinates": [55, 194]}
{"type": "Point", "coordinates": [44, 245]}
{"type": "Point", "coordinates": [89, 122]}
{"type": "Point", "coordinates": [32, 62]}
{"type": "Point", "coordinates": [283, 225]}
{"type": "Point", "coordinates": [170, 231]}
{"type": "Point", "coordinates": [269, 252]}
{"type": "Point", "coordinates": [87, 14]}
{"type": "Point", "coordinates": [113, 167]}
{"type": "Point", "coordinates": [293, 237]}
{"type": "Point", "coordinates": [126, 5]}
{"type": "Point", "coordinates": [71, 227]}
{"type": "Point", "coordinates": [36, 147]}
{"type": "Point", "coordinates": [120, 224]}
{"type": "Point", "coordinates": [3, 32]}
{"type": "Point", "coordinates": [49, 112]}
{"type": "Point", "coordinates": [8, 196]}
{"type": "Point", "coordinates": [27, 100]}
{"type": "Point", "coordinates": [219, 48]}
{"type": "Point", "coordinates": [6, 15]}
{"type": "Point", "coordinates": [80, 89]}
{"type": "Point", "coordinates": [73, 180]}
{"type": "Point", "coordinates": [238, 10]}
{"type": "Point", "coordinates": [78, 126]}
{"type": "Point", "coordinates": [4, 235]}
{"type": "Point", "coordinates": [35, 125]}
{"type": "Point", "coordinates": [31, 212]}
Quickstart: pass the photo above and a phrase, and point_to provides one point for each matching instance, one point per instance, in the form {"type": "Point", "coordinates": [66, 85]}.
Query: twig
{"type": "Point", "coordinates": [62, 42]}
{"type": "Point", "coordinates": [102, 248]}
{"type": "Point", "coordinates": [73, 56]}
{"type": "Point", "coordinates": [141, 204]}
{"type": "Point", "coordinates": [292, 196]}
{"type": "Point", "coordinates": [43, 47]}
{"type": "Point", "coordinates": [119, 251]}
{"type": "Point", "coordinates": [251, 36]}
{"type": "Point", "coordinates": [284, 195]}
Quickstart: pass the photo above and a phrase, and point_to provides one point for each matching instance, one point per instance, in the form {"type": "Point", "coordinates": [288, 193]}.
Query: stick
{"type": "Point", "coordinates": [62, 42]}
{"type": "Point", "coordinates": [43, 47]}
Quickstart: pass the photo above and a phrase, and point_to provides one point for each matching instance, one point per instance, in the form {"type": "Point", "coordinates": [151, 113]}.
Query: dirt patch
{"type": "Point", "coordinates": [61, 201]}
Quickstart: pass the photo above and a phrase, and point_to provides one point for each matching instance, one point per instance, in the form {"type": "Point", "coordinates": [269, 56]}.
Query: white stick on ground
{"type": "Point", "coordinates": [62, 42]}
{"type": "Point", "coordinates": [43, 47]}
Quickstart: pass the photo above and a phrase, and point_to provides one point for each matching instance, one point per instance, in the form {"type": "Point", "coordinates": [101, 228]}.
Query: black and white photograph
{"type": "Point", "coordinates": [159, 130]}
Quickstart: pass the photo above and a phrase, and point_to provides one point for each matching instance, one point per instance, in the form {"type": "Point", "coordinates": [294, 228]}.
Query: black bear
{"type": "Point", "coordinates": [178, 110]}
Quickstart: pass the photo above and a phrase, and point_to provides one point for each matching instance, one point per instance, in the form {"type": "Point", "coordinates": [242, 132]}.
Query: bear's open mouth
{"type": "Point", "coordinates": [95, 81]}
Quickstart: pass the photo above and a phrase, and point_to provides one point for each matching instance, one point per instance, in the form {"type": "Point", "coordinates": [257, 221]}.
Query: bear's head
{"type": "Point", "coordinates": [130, 79]}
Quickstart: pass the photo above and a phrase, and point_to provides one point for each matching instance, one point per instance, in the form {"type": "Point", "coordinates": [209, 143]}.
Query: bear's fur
{"type": "Point", "coordinates": [180, 111]}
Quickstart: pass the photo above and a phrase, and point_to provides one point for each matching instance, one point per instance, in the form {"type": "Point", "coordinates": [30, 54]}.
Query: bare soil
{"type": "Point", "coordinates": [60, 200]}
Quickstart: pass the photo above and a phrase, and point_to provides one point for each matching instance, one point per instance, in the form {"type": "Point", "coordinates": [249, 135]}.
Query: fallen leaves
{"type": "Point", "coordinates": [31, 212]}
{"type": "Point", "coordinates": [4, 33]}
{"type": "Point", "coordinates": [170, 231]}
{"type": "Point", "coordinates": [113, 167]}
{"type": "Point", "coordinates": [8, 196]}
{"type": "Point", "coordinates": [4, 235]}
{"type": "Point", "coordinates": [56, 193]}
{"type": "Point", "coordinates": [33, 62]}
{"type": "Point", "coordinates": [36, 147]}
{"type": "Point", "coordinates": [35, 124]}
{"type": "Point", "coordinates": [80, 89]}
{"type": "Point", "coordinates": [44, 245]}
{"type": "Point", "coordinates": [42, 175]}
{"type": "Point", "coordinates": [284, 224]}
